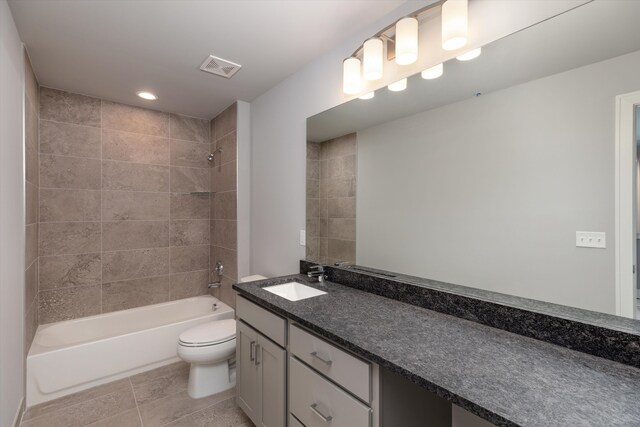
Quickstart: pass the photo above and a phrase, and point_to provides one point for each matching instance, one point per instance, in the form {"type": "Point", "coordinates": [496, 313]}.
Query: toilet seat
{"type": "Point", "coordinates": [209, 334]}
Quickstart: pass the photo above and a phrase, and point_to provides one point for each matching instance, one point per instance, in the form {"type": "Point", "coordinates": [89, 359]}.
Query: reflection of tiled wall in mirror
{"type": "Point", "coordinates": [331, 200]}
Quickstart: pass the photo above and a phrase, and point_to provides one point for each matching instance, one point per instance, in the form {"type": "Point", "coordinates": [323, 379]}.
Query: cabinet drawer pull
{"type": "Point", "coordinates": [326, 362]}
{"type": "Point", "coordinates": [325, 418]}
{"type": "Point", "coordinates": [257, 354]}
{"type": "Point", "coordinates": [252, 349]}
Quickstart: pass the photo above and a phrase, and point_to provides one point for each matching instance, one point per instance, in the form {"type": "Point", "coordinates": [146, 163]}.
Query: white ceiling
{"type": "Point", "coordinates": [590, 33]}
{"type": "Point", "coordinates": [114, 48]}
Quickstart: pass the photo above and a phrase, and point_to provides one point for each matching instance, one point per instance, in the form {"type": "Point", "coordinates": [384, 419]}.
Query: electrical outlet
{"type": "Point", "coordinates": [591, 239]}
{"type": "Point", "coordinates": [303, 238]}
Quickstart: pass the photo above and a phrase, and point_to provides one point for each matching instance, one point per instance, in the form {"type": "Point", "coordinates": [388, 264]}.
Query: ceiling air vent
{"type": "Point", "coordinates": [220, 67]}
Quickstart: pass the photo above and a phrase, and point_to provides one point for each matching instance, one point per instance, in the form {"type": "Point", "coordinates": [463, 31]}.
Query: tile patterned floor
{"type": "Point", "coordinates": [151, 399]}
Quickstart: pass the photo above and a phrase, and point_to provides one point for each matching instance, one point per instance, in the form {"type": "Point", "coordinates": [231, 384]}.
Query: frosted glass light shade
{"type": "Point", "coordinates": [367, 95]}
{"type": "Point", "coordinates": [406, 41]}
{"type": "Point", "coordinates": [454, 24]}
{"type": "Point", "coordinates": [468, 56]}
{"type": "Point", "coordinates": [433, 72]}
{"type": "Point", "coordinates": [398, 86]}
{"type": "Point", "coordinates": [372, 61]}
{"type": "Point", "coordinates": [351, 80]}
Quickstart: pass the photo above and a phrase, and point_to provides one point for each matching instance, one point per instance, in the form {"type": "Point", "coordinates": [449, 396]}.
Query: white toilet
{"type": "Point", "coordinates": [210, 349]}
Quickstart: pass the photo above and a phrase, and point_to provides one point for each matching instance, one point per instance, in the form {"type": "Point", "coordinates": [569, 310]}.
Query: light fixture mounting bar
{"type": "Point", "coordinates": [390, 39]}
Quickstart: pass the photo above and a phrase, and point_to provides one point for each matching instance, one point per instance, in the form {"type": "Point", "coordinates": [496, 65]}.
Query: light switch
{"type": "Point", "coordinates": [303, 238]}
{"type": "Point", "coordinates": [591, 239]}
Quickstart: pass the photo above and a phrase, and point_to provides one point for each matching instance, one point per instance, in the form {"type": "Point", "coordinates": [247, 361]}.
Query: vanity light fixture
{"type": "Point", "coordinates": [367, 95]}
{"type": "Point", "coordinates": [433, 72]}
{"type": "Point", "coordinates": [406, 41]}
{"type": "Point", "coordinates": [351, 81]}
{"type": "Point", "coordinates": [454, 24]}
{"type": "Point", "coordinates": [399, 41]}
{"type": "Point", "coordinates": [147, 95]}
{"type": "Point", "coordinates": [398, 86]}
{"type": "Point", "coordinates": [372, 61]}
{"type": "Point", "coordinates": [468, 56]}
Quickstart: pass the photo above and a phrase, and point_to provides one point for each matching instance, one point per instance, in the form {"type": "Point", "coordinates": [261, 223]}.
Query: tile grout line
{"type": "Point", "coordinates": [135, 400]}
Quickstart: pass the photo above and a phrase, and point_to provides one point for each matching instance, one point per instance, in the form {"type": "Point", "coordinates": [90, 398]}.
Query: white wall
{"type": "Point", "coordinates": [490, 191]}
{"type": "Point", "coordinates": [11, 219]}
{"type": "Point", "coordinates": [243, 140]}
{"type": "Point", "coordinates": [278, 124]}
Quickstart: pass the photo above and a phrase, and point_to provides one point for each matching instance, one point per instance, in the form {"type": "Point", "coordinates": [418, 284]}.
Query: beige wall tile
{"type": "Point", "coordinates": [135, 293]}
{"type": "Point", "coordinates": [313, 169]}
{"type": "Point", "coordinates": [339, 147]}
{"type": "Point", "coordinates": [229, 259]}
{"type": "Point", "coordinates": [342, 228]}
{"type": "Point", "coordinates": [124, 235]}
{"type": "Point", "coordinates": [313, 188]}
{"type": "Point", "coordinates": [134, 147]}
{"type": "Point", "coordinates": [224, 178]}
{"type": "Point", "coordinates": [313, 208]}
{"type": "Point", "coordinates": [225, 293]}
{"type": "Point", "coordinates": [68, 139]}
{"type": "Point", "coordinates": [69, 172]}
{"type": "Point", "coordinates": [190, 232]}
{"type": "Point", "coordinates": [189, 128]}
{"type": "Point", "coordinates": [189, 284]}
{"type": "Point", "coordinates": [31, 285]}
{"type": "Point", "coordinates": [224, 205]}
{"type": "Point", "coordinates": [226, 121]}
{"type": "Point", "coordinates": [66, 271]}
{"type": "Point", "coordinates": [31, 202]}
{"type": "Point", "coordinates": [186, 180]}
{"type": "Point", "coordinates": [128, 205]}
{"type": "Point", "coordinates": [189, 258]}
{"type": "Point", "coordinates": [313, 150]}
{"type": "Point", "coordinates": [342, 208]}
{"type": "Point", "coordinates": [341, 187]}
{"type": "Point", "coordinates": [68, 303]}
{"type": "Point", "coordinates": [134, 119]}
{"type": "Point", "coordinates": [191, 154]}
{"type": "Point", "coordinates": [134, 264]}
{"type": "Point", "coordinates": [66, 238]}
{"type": "Point", "coordinates": [225, 233]}
{"type": "Point", "coordinates": [134, 176]}
{"type": "Point", "coordinates": [31, 137]}
{"type": "Point", "coordinates": [30, 325]}
{"type": "Point", "coordinates": [228, 145]}
{"type": "Point", "coordinates": [68, 107]}
{"type": "Point", "coordinates": [342, 250]}
{"type": "Point", "coordinates": [189, 206]}
{"type": "Point", "coordinates": [341, 167]}
{"type": "Point", "coordinates": [69, 205]}
{"type": "Point", "coordinates": [31, 244]}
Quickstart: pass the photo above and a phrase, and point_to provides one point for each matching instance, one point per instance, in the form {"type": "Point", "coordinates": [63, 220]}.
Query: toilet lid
{"type": "Point", "coordinates": [209, 333]}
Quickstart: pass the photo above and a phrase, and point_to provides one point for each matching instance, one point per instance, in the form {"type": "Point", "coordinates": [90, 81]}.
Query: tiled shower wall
{"type": "Point", "coordinates": [224, 224]}
{"type": "Point", "coordinates": [31, 203]}
{"type": "Point", "coordinates": [119, 227]}
{"type": "Point", "coordinates": [331, 200]}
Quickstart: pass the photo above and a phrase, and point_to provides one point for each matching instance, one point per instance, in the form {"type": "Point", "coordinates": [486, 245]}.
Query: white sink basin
{"type": "Point", "coordinates": [294, 291]}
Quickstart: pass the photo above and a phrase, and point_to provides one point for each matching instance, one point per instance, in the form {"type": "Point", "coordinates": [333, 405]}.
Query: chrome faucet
{"type": "Point", "coordinates": [317, 272]}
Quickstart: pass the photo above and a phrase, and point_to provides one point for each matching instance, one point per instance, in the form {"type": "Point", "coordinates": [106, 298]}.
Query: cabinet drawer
{"type": "Point", "coordinates": [318, 403]}
{"type": "Point", "coordinates": [272, 326]}
{"type": "Point", "coordinates": [293, 422]}
{"type": "Point", "coordinates": [341, 367]}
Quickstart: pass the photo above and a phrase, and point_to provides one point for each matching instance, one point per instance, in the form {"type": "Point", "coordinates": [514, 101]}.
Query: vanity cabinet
{"type": "Point", "coordinates": [261, 367]}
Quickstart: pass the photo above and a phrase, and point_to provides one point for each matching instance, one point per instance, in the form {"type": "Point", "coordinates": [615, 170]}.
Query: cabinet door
{"type": "Point", "coordinates": [247, 390]}
{"type": "Point", "coordinates": [271, 361]}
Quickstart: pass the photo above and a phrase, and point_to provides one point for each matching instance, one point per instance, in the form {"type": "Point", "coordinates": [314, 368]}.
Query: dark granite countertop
{"type": "Point", "coordinates": [505, 378]}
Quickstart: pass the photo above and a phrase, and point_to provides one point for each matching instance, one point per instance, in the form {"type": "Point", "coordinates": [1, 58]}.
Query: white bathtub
{"type": "Point", "coordinates": [74, 355]}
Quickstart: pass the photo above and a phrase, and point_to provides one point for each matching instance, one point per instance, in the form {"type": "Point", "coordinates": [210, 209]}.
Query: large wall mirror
{"type": "Point", "coordinates": [483, 176]}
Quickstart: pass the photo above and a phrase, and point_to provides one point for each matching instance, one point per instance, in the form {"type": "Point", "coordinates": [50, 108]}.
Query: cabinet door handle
{"type": "Point", "coordinates": [257, 354]}
{"type": "Point", "coordinates": [252, 350]}
{"type": "Point", "coordinates": [325, 361]}
{"type": "Point", "coordinates": [325, 418]}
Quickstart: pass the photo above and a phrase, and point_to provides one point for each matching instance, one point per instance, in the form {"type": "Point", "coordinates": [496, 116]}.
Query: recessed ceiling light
{"type": "Point", "coordinates": [147, 95]}
{"type": "Point", "coordinates": [468, 56]}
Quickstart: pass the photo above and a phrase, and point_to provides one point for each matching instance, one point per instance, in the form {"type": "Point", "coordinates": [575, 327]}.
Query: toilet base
{"type": "Point", "coordinates": [208, 379]}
